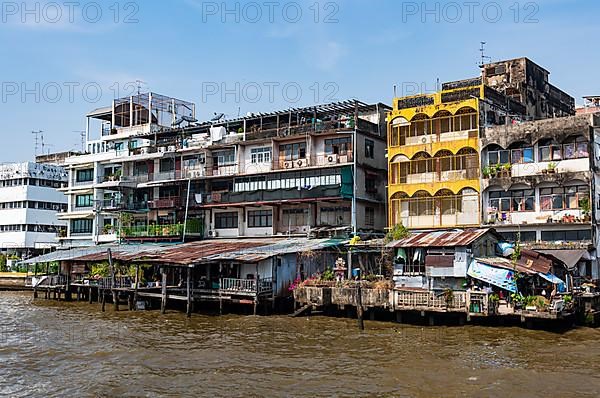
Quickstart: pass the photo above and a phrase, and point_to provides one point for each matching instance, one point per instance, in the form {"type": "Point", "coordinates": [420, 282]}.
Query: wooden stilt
{"type": "Point", "coordinates": [130, 301]}
{"type": "Point", "coordinates": [115, 296]}
{"type": "Point", "coordinates": [163, 301]}
{"type": "Point", "coordinates": [359, 307]}
{"type": "Point", "coordinates": [137, 284]}
{"type": "Point", "coordinates": [90, 295]}
{"type": "Point", "coordinates": [103, 298]}
{"type": "Point", "coordinates": [220, 289]}
{"type": "Point", "coordinates": [189, 292]}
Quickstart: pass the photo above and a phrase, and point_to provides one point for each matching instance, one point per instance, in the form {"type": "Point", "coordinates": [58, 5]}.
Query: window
{"type": "Point", "coordinates": [335, 216]}
{"type": "Point", "coordinates": [369, 148]}
{"type": "Point", "coordinates": [575, 235]}
{"type": "Point", "coordinates": [369, 216]}
{"type": "Point", "coordinates": [293, 151]}
{"type": "Point", "coordinates": [563, 197]}
{"type": "Point", "coordinates": [84, 200]}
{"type": "Point", "coordinates": [338, 146]}
{"type": "Point", "coordinates": [227, 220]}
{"type": "Point", "coordinates": [260, 218]}
{"type": "Point", "coordinates": [167, 165]}
{"type": "Point", "coordinates": [294, 217]}
{"type": "Point", "coordinates": [370, 183]}
{"type": "Point", "coordinates": [85, 175]}
{"type": "Point", "coordinates": [224, 158]}
{"type": "Point", "coordinates": [524, 236]}
{"type": "Point", "coordinates": [260, 155]}
{"type": "Point", "coordinates": [83, 226]}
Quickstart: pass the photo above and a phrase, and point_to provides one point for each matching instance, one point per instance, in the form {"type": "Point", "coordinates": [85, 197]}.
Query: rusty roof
{"type": "Point", "coordinates": [442, 238]}
{"type": "Point", "coordinates": [530, 262]}
{"type": "Point", "coordinates": [241, 250]}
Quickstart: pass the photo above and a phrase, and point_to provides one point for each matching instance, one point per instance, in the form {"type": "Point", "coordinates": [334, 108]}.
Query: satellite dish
{"type": "Point", "coordinates": [218, 116]}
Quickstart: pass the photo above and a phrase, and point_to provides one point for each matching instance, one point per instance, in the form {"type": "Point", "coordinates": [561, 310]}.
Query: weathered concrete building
{"type": "Point", "coordinates": [539, 184]}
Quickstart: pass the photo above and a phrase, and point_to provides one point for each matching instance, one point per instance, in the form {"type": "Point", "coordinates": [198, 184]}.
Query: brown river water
{"type": "Point", "coordinates": [52, 349]}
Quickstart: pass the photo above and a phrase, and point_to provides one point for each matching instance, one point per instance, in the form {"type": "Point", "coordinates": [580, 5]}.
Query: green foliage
{"type": "Point", "coordinates": [494, 298]}
{"type": "Point", "coordinates": [551, 166]}
{"type": "Point", "coordinates": [487, 172]}
{"type": "Point", "coordinates": [568, 298]}
{"type": "Point", "coordinates": [584, 204]}
{"type": "Point", "coordinates": [397, 232]}
{"type": "Point", "coordinates": [3, 267]}
{"type": "Point", "coordinates": [328, 275]}
{"type": "Point", "coordinates": [100, 269]}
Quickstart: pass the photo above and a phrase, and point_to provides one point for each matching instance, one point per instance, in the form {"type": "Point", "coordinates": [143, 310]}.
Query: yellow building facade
{"type": "Point", "coordinates": [434, 159]}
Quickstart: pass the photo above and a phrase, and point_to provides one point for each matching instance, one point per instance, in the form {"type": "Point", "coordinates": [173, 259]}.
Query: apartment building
{"type": "Point", "coordinates": [159, 175]}
{"type": "Point", "coordinates": [29, 206]}
{"type": "Point", "coordinates": [540, 183]}
{"type": "Point", "coordinates": [434, 140]}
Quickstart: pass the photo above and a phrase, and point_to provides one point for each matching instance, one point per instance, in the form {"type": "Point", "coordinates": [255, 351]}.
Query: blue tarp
{"type": "Point", "coordinates": [503, 278]}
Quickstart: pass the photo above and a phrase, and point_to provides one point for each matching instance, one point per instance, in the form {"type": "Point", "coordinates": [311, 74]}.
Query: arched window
{"type": "Point", "coordinates": [465, 119]}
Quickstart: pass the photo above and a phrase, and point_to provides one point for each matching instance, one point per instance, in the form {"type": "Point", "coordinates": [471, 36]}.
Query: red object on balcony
{"type": "Point", "coordinates": [163, 203]}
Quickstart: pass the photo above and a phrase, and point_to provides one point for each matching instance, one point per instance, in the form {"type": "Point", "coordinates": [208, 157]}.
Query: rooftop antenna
{"type": "Point", "coordinates": [82, 134]}
{"type": "Point", "coordinates": [38, 134]}
{"type": "Point", "coordinates": [139, 83]}
{"type": "Point", "coordinates": [483, 56]}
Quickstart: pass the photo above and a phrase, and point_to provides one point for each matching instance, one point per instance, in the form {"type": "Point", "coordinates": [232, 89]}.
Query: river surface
{"type": "Point", "coordinates": [53, 349]}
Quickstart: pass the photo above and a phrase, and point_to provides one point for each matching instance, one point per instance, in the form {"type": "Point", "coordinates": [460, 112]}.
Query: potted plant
{"type": "Point", "coordinates": [551, 167]}
{"type": "Point", "coordinates": [107, 229]}
{"type": "Point", "coordinates": [506, 170]}
{"type": "Point", "coordinates": [584, 205]}
{"type": "Point", "coordinates": [486, 172]}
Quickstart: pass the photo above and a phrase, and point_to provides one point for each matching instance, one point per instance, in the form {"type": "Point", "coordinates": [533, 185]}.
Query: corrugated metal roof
{"type": "Point", "coordinates": [441, 238]}
{"type": "Point", "coordinates": [240, 250]}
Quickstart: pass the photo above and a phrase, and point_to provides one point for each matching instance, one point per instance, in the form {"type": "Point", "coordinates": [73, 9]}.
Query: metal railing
{"type": "Point", "coordinates": [238, 285]}
{"type": "Point", "coordinates": [120, 282]}
{"type": "Point", "coordinates": [408, 299]}
{"type": "Point", "coordinates": [265, 285]}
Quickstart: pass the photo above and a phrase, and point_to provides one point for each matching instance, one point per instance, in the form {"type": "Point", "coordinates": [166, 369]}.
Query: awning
{"type": "Point", "coordinates": [569, 257]}
{"type": "Point", "coordinates": [503, 278]}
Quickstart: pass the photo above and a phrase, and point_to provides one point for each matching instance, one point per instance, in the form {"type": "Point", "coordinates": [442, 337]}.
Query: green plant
{"type": "Point", "coordinates": [506, 166]}
{"type": "Point", "coordinates": [551, 166]}
{"type": "Point", "coordinates": [3, 267]}
{"type": "Point", "coordinates": [100, 269]}
{"type": "Point", "coordinates": [328, 275]}
{"type": "Point", "coordinates": [397, 232]}
{"type": "Point", "coordinates": [584, 204]}
{"type": "Point", "coordinates": [494, 298]}
{"type": "Point", "coordinates": [568, 299]}
{"type": "Point", "coordinates": [487, 171]}
{"type": "Point", "coordinates": [126, 219]}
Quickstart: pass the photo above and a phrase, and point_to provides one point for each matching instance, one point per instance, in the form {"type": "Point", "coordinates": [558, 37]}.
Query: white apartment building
{"type": "Point", "coordinates": [29, 206]}
{"type": "Point", "coordinates": [155, 174]}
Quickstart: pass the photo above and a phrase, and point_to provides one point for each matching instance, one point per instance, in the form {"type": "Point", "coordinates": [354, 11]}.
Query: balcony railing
{"type": "Point", "coordinates": [266, 195]}
{"type": "Point", "coordinates": [161, 231]}
{"type": "Point", "coordinates": [165, 203]}
{"type": "Point", "coordinates": [246, 286]}
{"type": "Point", "coordinates": [238, 285]}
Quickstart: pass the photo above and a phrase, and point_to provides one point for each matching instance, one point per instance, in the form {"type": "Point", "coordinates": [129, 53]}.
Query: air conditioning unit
{"type": "Point", "coordinates": [144, 151]}
{"type": "Point", "coordinates": [172, 148]}
{"type": "Point", "coordinates": [331, 159]}
{"type": "Point", "coordinates": [288, 165]}
{"type": "Point", "coordinates": [213, 234]}
{"type": "Point", "coordinates": [162, 149]}
{"type": "Point", "coordinates": [302, 163]}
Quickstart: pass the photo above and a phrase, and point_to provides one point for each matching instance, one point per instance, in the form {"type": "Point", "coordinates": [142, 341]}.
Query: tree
{"type": "Point", "coordinates": [3, 267]}
{"type": "Point", "coordinates": [397, 232]}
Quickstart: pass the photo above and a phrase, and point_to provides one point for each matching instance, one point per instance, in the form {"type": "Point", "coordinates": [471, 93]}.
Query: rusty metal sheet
{"type": "Point", "coordinates": [441, 238]}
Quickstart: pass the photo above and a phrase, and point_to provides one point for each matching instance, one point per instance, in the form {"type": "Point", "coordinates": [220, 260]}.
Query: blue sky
{"type": "Point", "coordinates": [267, 55]}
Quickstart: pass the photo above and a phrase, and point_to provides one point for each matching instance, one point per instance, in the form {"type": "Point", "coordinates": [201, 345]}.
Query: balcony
{"type": "Point", "coordinates": [164, 203]}
{"type": "Point", "coordinates": [278, 195]}
{"type": "Point", "coordinates": [165, 231]}
{"type": "Point", "coordinates": [314, 161]}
